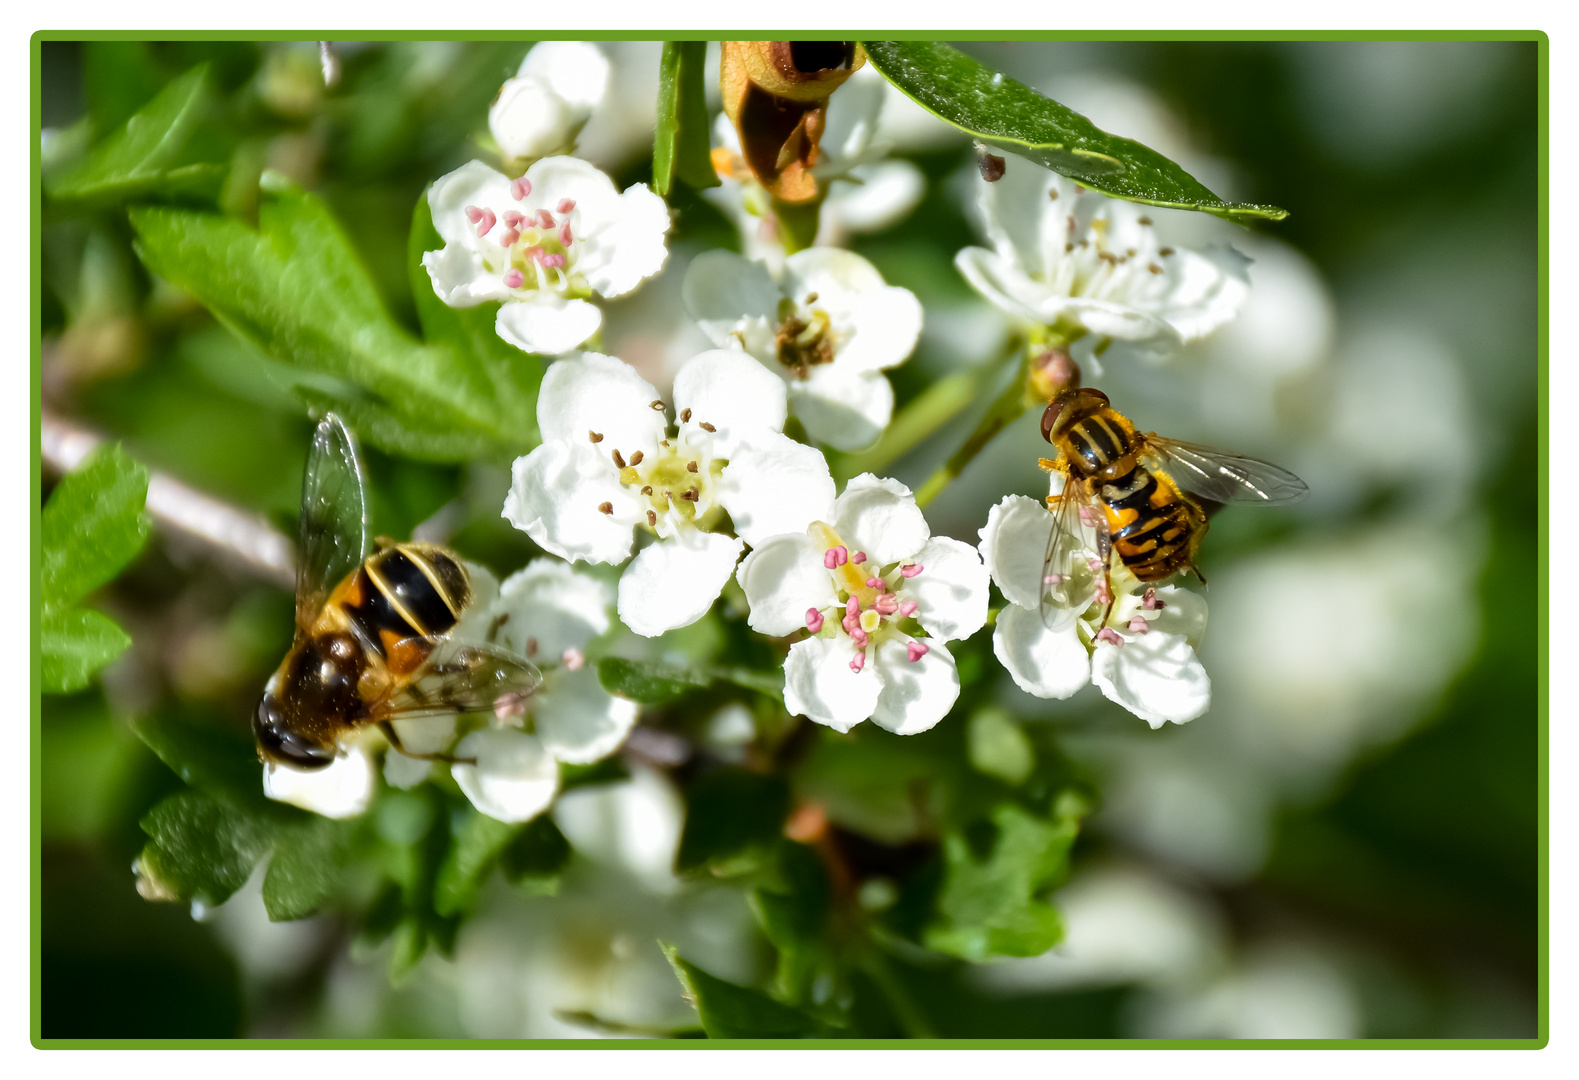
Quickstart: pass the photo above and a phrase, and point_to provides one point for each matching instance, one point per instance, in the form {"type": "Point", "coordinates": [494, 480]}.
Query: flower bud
{"type": "Point", "coordinates": [544, 107]}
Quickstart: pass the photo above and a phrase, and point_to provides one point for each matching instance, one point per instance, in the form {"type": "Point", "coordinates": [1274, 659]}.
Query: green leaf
{"type": "Point", "coordinates": [93, 525]}
{"type": "Point", "coordinates": [647, 681]}
{"type": "Point", "coordinates": [1011, 116]}
{"type": "Point", "coordinates": [478, 842]}
{"type": "Point", "coordinates": [998, 747]}
{"type": "Point", "coordinates": [202, 848]}
{"type": "Point", "coordinates": [731, 1011]}
{"type": "Point", "coordinates": [73, 643]}
{"type": "Point", "coordinates": [792, 909]}
{"type": "Point", "coordinates": [728, 813]}
{"type": "Point", "coordinates": [990, 903]}
{"type": "Point", "coordinates": [215, 760]}
{"type": "Point", "coordinates": [682, 141]}
{"type": "Point", "coordinates": [143, 157]}
{"type": "Point", "coordinates": [537, 856]}
{"type": "Point", "coordinates": [306, 866]}
{"type": "Point", "coordinates": [295, 289]}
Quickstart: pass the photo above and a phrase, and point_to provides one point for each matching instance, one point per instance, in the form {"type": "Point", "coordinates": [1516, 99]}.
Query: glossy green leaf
{"type": "Point", "coordinates": [202, 848]}
{"type": "Point", "coordinates": [731, 1011]}
{"type": "Point", "coordinates": [93, 525]}
{"type": "Point", "coordinates": [308, 862]}
{"type": "Point", "coordinates": [536, 857]}
{"type": "Point", "coordinates": [647, 681]}
{"type": "Point", "coordinates": [1009, 115]}
{"type": "Point", "coordinates": [74, 643]}
{"type": "Point", "coordinates": [220, 761]}
{"type": "Point", "coordinates": [991, 902]}
{"type": "Point", "coordinates": [682, 141]}
{"type": "Point", "coordinates": [728, 812]}
{"type": "Point", "coordinates": [143, 157]}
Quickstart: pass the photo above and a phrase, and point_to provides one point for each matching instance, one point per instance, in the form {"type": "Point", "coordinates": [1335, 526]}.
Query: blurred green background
{"type": "Point", "coordinates": [1346, 845]}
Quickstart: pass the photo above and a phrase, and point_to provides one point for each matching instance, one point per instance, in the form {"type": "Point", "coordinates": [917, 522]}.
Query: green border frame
{"type": "Point", "coordinates": [1542, 1038]}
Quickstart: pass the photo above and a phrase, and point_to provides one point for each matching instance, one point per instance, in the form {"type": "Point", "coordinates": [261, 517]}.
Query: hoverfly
{"type": "Point", "coordinates": [1144, 498]}
{"type": "Point", "coordinates": [374, 633]}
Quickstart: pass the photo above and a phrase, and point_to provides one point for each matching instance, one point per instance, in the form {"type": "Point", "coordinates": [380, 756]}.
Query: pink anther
{"type": "Point", "coordinates": [876, 583]}
{"type": "Point", "coordinates": [1139, 625]}
{"type": "Point", "coordinates": [1150, 601]}
{"type": "Point", "coordinates": [509, 707]}
{"type": "Point", "coordinates": [520, 188]}
{"type": "Point", "coordinates": [485, 226]}
{"type": "Point", "coordinates": [1053, 579]}
{"type": "Point", "coordinates": [1108, 635]}
{"type": "Point", "coordinates": [514, 279]}
{"type": "Point", "coordinates": [907, 609]}
{"type": "Point", "coordinates": [513, 218]}
{"type": "Point", "coordinates": [852, 607]}
{"type": "Point", "coordinates": [533, 254]}
{"type": "Point", "coordinates": [510, 237]}
{"type": "Point", "coordinates": [859, 637]}
{"type": "Point", "coordinates": [473, 214]}
{"type": "Point", "coordinates": [915, 651]}
{"type": "Point", "coordinates": [910, 570]}
{"type": "Point", "coordinates": [858, 558]}
{"type": "Point", "coordinates": [814, 620]}
{"type": "Point", "coordinates": [886, 604]}
{"type": "Point", "coordinates": [1104, 595]}
{"type": "Point", "coordinates": [553, 262]}
{"type": "Point", "coordinates": [835, 557]}
{"type": "Point", "coordinates": [1088, 516]}
{"type": "Point", "coordinates": [565, 236]}
{"type": "Point", "coordinates": [858, 663]}
{"type": "Point", "coordinates": [545, 220]}
{"type": "Point", "coordinates": [566, 205]}
{"type": "Point", "coordinates": [573, 659]}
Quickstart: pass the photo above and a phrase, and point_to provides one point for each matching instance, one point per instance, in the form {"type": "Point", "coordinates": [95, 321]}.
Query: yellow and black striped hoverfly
{"type": "Point", "coordinates": [374, 632]}
{"type": "Point", "coordinates": [1137, 496]}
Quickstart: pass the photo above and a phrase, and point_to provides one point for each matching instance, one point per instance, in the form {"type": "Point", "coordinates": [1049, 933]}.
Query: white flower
{"type": "Point", "coordinates": [864, 586]}
{"type": "Point", "coordinates": [608, 469]}
{"type": "Point", "coordinates": [343, 789]}
{"type": "Point", "coordinates": [1144, 655]}
{"type": "Point", "coordinates": [828, 327]}
{"type": "Point", "coordinates": [1064, 256]}
{"type": "Point", "coordinates": [543, 109]}
{"type": "Point", "coordinates": [543, 245]}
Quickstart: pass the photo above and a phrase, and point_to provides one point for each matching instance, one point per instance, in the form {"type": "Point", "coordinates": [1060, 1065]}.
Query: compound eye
{"type": "Point", "coordinates": [283, 746]}
{"type": "Point", "coordinates": [1050, 419]}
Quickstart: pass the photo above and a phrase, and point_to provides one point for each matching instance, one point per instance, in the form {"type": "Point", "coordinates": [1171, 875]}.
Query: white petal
{"type": "Point", "coordinates": [776, 485]}
{"type": "Point", "coordinates": [721, 288]}
{"type": "Point", "coordinates": [1043, 662]}
{"type": "Point", "coordinates": [831, 273]}
{"type": "Point", "coordinates": [514, 779]}
{"type": "Point", "coordinates": [1121, 321]}
{"type": "Point", "coordinates": [405, 772]}
{"type": "Point", "coordinates": [1013, 545]}
{"type": "Point", "coordinates": [590, 392]}
{"type": "Point", "coordinates": [461, 280]}
{"type": "Point", "coordinates": [844, 409]}
{"type": "Point", "coordinates": [529, 120]}
{"type": "Point", "coordinates": [673, 582]}
{"type": "Point", "coordinates": [1156, 676]}
{"type": "Point", "coordinates": [555, 492]}
{"type": "Point", "coordinates": [819, 685]}
{"type": "Point", "coordinates": [1183, 613]}
{"type": "Point", "coordinates": [551, 608]}
{"type": "Point", "coordinates": [951, 589]}
{"type": "Point", "coordinates": [576, 70]}
{"type": "Point", "coordinates": [635, 240]}
{"type": "Point", "coordinates": [1018, 216]}
{"type": "Point", "coordinates": [1003, 283]}
{"type": "Point", "coordinates": [782, 578]}
{"type": "Point", "coordinates": [425, 734]}
{"type": "Point", "coordinates": [879, 516]}
{"type": "Point", "coordinates": [578, 720]}
{"type": "Point", "coordinates": [915, 695]}
{"type": "Point", "coordinates": [1208, 289]}
{"type": "Point", "coordinates": [731, 391]}
{"type": "Point", "coordinates": [888, 191]}
{"type": "Point", "coordinates": [473, 184]}
{"type": "Point", "coordinates": [460, 271]}
{"type": "Point", "coordinates": [880, 323]}
{"type": "Point", "coordinates": [542, 323]}
{"type": "Point", "coordinates": [342, 790]}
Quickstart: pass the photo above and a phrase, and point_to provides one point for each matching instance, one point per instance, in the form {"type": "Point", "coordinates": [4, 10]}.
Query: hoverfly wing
{"type": "Point", "coordinates": [1067, 582]}
{"type": "Point", "coordinates": [1223, 477]}
{"type": "Point", "coordinates": [331, 538]}
{"type": "Point", "coordinates": [466, 677]}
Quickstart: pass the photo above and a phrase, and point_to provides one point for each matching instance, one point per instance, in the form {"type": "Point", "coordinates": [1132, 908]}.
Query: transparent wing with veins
{"type": "Point", "coordinates": [331, 533]}
{"type": "Point", "coordinates": [466, 677]}
{"type": "Point", "coordinates": [1068, 582]}
{"type": "Point", "coordinates": [1222, 477]}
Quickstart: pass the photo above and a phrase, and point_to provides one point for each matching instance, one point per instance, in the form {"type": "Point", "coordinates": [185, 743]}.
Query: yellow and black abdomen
{"type": "Point", "coordinates": [400, 598]}
{"type": "Point", "coordinates": [1153, 527]}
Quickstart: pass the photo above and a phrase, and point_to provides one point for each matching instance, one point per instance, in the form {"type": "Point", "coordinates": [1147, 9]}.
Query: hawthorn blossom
{"type": "Point", "coordinates": [828, 326]}
{"type": "Point", "coordinates": [544, 107]}
{"type": "Point", "coordinates": [879, 597]}
{"type": "Point", "coordinates": [609, 470]}
{"type": "Point", "coordinates": [343, 789]}
{"type": "Point", "coordinates": [1142, 656]}
{"type": "Point", "coordinates": [1093, 268]}
{"type": "Point", "coordinates": [543, 244]}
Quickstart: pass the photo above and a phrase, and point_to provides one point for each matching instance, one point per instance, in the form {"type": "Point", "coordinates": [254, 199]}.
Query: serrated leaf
{"type": "Point", "coordinates": [93, 525]}
{"type": "Point", "coordinates": [731, 1011]}
{"type": "Point", "coordinates": [478, 842]}
{"type": "Point", "coordinates": [1009, 115]}
{"type": "Point", "coordinates": [647, 681]}
{"type": "Point", "coordinates": [143, 157]}
{"type": "Point", "coordinates": [215, 760]}
{"type": "Point", "coordinates": [74, 643]}
{"type": "Point", "coordinates": [307, 864]}
{"type": "Point", "coordinates": [294, 288]}
{"type": "Point", "coordinates": [728, 812]}
{"type": "Point", "coordinates": [202, 848]}
{"type": "Point", "coordinates": [682, 141]}
{"type": "Point", "coordinates": [991, 903]}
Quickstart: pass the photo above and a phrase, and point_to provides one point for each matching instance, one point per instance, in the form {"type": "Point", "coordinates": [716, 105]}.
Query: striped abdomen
{"type": "Point", "coordinates": [1153, 528]}
{"type": "Point", "coordinates": [399, 598]}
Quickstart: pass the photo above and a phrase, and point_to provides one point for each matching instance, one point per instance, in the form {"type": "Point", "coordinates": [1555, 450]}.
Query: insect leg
{"type": "Point", "coordinates": [388, 729]}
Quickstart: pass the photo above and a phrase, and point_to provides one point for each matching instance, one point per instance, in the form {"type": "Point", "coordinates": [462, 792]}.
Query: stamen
{"type": "Point", "coordinates": [520, 188]}
{"type": "Point", "coordinates": [886, 604]}
{"type": "Point", "coordinates": [858, 663]}
{"type": "Point", "coordinates": [652, 518]}
{"type": "Point", "coordinates": [1144, 220]}
{"type": "Point", "coordinates": [860, 638]}
{"type": "Point", "coordinates": [915, 651]}
{"type": "Point", "coordinates": [566, 205]}
{"type": "Point", "coordinates": [619, 460]}
{"type": "Point", "coordinates": [647, 490]}
{"type": "Point", "coordinates": [1150, 601]}
{"type": "Point", "coordinates": [565, 236]}
{"type": "Point", "coordinates": [514, 279]}
{"type": "Point", "coordinates": [705, 426]}
{"type": "Point", "coordinates": [1139, 625]}
{"type": "Point", "coordinates": [910, 570]}
{"type": "Point", "coordinates": [907, 609]}
{"type": "Point", "coordinates": [509, 707]}
{"type": "Point", "coordinates": [876, 583]}
{"type": "Point", "coordinates": [595, 436]}
{"type": "Point", "coordinates": [573, 659]}
{"type": "Point", "coordinates": [1165, 252]}
{"type": "Point", "coordinates": [1053, 579]}
{"type": "Point", "coordinates": [814, 620]}
{"type": "Point", "coordinates": [835, 557]}
{"type": "Point", "coordinates": [473, 214]}
{"type": "Point", "coordinates": [691, 495]}
{"type": "Point", "coordinates": [1104, 595]}
{"type": "Point", "coordinates": [636, 458]}
{"type": "Point", "coordinates": [533, 254]}
{"type": "Point", "coordinates": [509, 238]}
{"type": "Point", "coordinates": [553, 262]}
{"type": "Point", "coordinates": [485, 226]}
{"type": "Point", "coordinates": [858, 558]}
{"type": "Point", "coordinates": [531, 647]}
{"type": "Point", "coordinates": [606, 508]}
{"type": "Point", "coordinates": [544, 219]}
{"type": "Point", "coordinates": [1094, 565]}
{"type": "Point", "coordinates": [852, 607]}
{"type": "Point", "coordinates": [685, 416]}
{"type": "Point", "coordinates": [1110, 636]}
{"type": "Point", "coordinates": [690, 466]}
{"type": "Point", "coordinates": [513, 218]}
{"type": "Point", "coordinates": [1154, 268]}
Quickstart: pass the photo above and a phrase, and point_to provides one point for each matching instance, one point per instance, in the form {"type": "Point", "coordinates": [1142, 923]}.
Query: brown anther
{"type": "Point", "coordinates": [1165, 252]}
{"type": "Point", "coordinates": [811, 298]}
{"type": "Point", "coordinates": [1154, 268]}
{"type": "Point", "coordinates": [691, 495]}
{"type": "Point", "coordinates": [690, 466]}
{"type": "Point", "coordinates": [1129, 253]}
{"type": "Point", "coordinates": [595, 436]}
{"type": "Point", "coordinates": [655, 406]}
{"type": "Point", "coordinates": [606, 508]}
{"type": "Point", "coordinates": [1068, 248]}
{"type": "Point", "coordinates": [1052, 194]}
{"type": "Point", "coordinates": [619, 460]}
{"type": "Point", "coordinates": [531, 646]}
{"type": "Point", "coordinates": [647, 490]}
{"type": "Point", "coordinates": [705, 426]}
{"type": "Point", "coordinates": [652, 518]}
{"type": "Point", "coordinates": [685, 416]}
{"type": "Point", "coordinates": [636, 458]}
{"type": "Point", "coordinates": [1144, 220]}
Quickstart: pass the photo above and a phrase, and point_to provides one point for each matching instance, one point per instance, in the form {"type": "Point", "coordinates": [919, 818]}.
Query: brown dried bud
{"type": "Point", "coordinates": [991, 165]}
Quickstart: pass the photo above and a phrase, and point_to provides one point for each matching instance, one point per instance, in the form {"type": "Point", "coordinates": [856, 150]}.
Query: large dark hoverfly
{"type": "Point", "coordinates": [1140, 497]}
{"type": "Point", "coordinates": [374, 633]}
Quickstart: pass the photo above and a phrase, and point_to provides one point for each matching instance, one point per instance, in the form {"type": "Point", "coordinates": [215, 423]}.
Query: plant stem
{"type": "Point", "coordinates": [1010, 404]}
{"type": "Point", "coordinates": [930, 410]}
